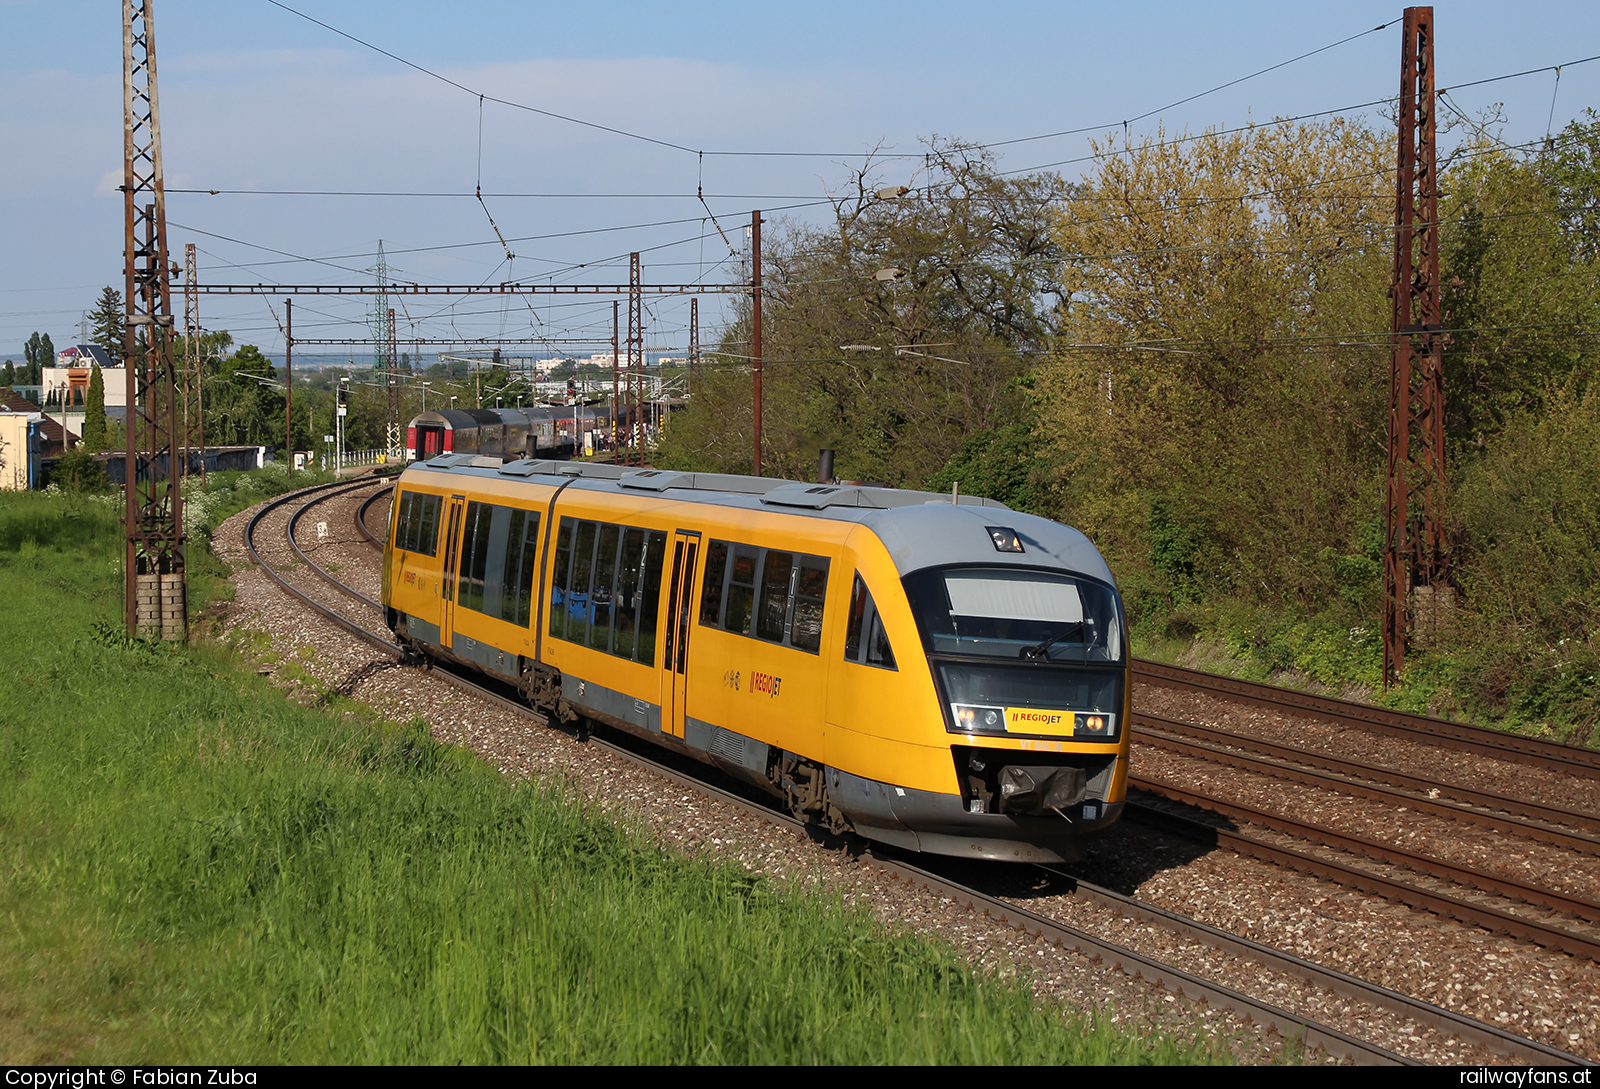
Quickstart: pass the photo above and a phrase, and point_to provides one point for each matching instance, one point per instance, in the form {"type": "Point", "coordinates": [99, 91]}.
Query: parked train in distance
{"type": "Point", "coordinates": [538, 431]}
{"type": "Point", "coordinates": [943, 674]}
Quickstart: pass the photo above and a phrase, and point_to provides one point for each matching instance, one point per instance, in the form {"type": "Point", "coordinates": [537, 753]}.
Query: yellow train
{"type": "Point", "coordinates": [945, 675]}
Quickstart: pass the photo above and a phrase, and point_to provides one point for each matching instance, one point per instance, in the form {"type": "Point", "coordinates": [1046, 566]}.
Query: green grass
{"type": "Point", "coordinates": [195, 869]}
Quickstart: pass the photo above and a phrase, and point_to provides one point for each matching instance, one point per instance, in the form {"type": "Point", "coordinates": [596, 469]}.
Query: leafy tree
{"type": "Point", "coordinates": [244, 403]}
{"type": "Point", "coordinates": [96, 436]}
{"type": "Point", "coordinates": [1211, 419]}
{"type": "Point", "coordinates": [39, 353]}
{"type": "Point", "coordinates": [8, 374]}
{"type": "Point", "coordinates": [893, 370]}
{"type": "Point", "coordinates": [1518, 281]}
{"type": "Point", "coordinates": [105, 322]}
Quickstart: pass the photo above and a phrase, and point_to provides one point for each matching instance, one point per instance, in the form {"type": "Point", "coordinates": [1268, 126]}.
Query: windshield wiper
{"type": "Point", "coordinates": [1042, 650]}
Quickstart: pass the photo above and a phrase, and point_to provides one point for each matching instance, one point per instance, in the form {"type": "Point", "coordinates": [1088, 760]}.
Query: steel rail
{"type": "Point", "coordinates": [1342, 983]}
{"type": "Point", "coordinates": [1311, 1033]}
{"type": "Point", "coordinates": [370, 537]}
{"type": "Point", "coordinates": [1361, 780]}
{"type": "Point", "coordinates": [338, 584]}
{"type": "Point", "coordinates": [1412, 895]}
{"type": "Point", "coordinates": [1431, 731]}
{"type": "Point", "coordinates": [249, 542]}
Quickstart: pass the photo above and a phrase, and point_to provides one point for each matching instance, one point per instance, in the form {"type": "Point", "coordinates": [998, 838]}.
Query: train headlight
{"type": "Point", "coordinates": [1096, 724]}
{"type": "Point", "coordinates": [979, 717]}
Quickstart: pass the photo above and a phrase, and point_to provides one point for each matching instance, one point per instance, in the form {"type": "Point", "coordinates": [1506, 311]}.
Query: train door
{"type": "Point", "coordinates": [680, 602]}
{"type": "Point", "coordinates": [430, 441]}
{"type": "Point", "coordinates": [447, 579]}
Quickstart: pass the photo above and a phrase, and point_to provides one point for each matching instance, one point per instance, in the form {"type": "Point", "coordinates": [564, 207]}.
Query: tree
{"type": "Point", "coordinates": [244, 405]}
{"type": "Point", "coordinates": [891, 369]}
{"type": "Point", "coordinates": [1215, 410]}
{"type": "Point", "coordinates": [8, 374]}
{"type": "Point", "coordinates": [105, 322]}
{"type": "Point", "coordinates": [39, 353]}
{"type": "Point", "coordinates": [96, 436]}
{"type": "Point", "coordinates": [1519, 282]}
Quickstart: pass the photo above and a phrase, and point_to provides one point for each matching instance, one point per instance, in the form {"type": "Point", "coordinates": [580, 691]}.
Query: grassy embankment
{"type": "Point", "coordinates": [195, 869]}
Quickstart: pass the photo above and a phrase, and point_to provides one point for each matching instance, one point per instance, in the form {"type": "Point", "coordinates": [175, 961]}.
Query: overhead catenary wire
{"type": "Point", "coordinates": [569, 267]}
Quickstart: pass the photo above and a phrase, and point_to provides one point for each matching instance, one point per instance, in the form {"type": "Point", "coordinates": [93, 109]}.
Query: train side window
{"type": "Point", "coordinates": [810, 589]}
{"type": "Point", "coordinates": [859, 598]}
{"type": "Point", "coordinates": [655, 552]}
{"type": "Point", "coordinates": [402, 522]}
{"type": "Point", "coordinates": [427, 525]}
{"type": "Point", "coordinates": [711, 588]}
{"type": "Point", "coordinates": [879, 653]}
{"type": "Point", "coordinates": [494, 567]}
{"type": "Point", "coordinates": [741, 593]}
{"type": "Point", "coordinates": [417, 529]}
{"type": "Point", "coordinates": [582, 581]}
{"type": "Point", "coordinates": [603, 595]}
{"type": "Point", "coordinates": [560, 579]}
{"type": "Point", "coordinates": [774, 606]}
{"type": "Point", "coordinates": [865, 621]}
{"type": "Point", "coordinates": [474, 555]}
{"type": "Point", "coordinates": [626, 603]}
{"type": "Point", "coordinates": [519, 572]}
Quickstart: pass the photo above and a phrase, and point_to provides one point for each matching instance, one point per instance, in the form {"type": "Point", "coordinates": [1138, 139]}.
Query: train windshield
{"type": "Point", "coordinates": [1009, 612]}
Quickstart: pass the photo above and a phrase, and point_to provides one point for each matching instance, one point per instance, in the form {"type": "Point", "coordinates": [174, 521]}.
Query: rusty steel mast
{"type": "Point", "coordinates": [635, 453]}
{"type": "Point", "coordinates": [194, 398]}
{"type": "Point", "coordinates": [1416, 553]}
{"type": "Point", "coordinates": [153, 564]}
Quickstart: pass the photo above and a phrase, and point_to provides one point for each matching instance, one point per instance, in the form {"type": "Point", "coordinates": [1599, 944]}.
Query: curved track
{"type": "Point", "coordinates": [1314, 1035]}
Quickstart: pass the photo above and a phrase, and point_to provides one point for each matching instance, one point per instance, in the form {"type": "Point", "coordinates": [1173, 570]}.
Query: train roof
{"type": "Point", "coordinates": [919, 529]}
{"type": "Point", "coordinates": [452, 419]}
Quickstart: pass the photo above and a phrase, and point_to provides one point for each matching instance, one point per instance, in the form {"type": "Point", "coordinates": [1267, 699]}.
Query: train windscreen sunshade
{"type": "Point", "coordinates": [1021, 597]}
{"type": "Point", "coordinates": [1011, 613]}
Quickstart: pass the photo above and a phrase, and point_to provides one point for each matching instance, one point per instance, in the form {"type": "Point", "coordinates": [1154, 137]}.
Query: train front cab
{"type": "Point", "coordinates": [977, 709]}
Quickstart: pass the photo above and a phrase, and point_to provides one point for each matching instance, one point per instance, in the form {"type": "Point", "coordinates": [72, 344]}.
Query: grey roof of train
{"type": "Point", "coordinates": [920, 529]}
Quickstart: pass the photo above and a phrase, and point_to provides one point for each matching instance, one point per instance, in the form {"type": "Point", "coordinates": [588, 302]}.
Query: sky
{"type": "Point", "coordinates": [256, 99]}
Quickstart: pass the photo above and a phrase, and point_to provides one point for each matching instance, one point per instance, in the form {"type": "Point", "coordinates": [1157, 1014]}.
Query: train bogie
{"type": "Point", "coordinates": [945, 676]}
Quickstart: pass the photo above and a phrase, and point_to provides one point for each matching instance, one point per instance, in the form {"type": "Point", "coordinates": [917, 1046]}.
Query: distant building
{"type": "Point", "coordinates": [66, 386]}
{"type": "Point", "coordinates": [27, 438]}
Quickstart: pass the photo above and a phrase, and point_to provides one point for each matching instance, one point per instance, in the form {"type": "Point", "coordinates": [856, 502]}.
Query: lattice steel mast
{"type": "Point", "coordinates": [153, 567]}
{"type": "Point", "coordinates": [635, 452]}
{"type": "Point", "coordinates": [194, 398]}
{"type": "Point", "coordinates": [383, 356]}
{"type": "Point", "coordinates": [1416, 553]}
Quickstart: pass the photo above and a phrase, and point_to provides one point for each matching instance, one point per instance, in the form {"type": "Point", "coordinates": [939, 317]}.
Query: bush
{"type": "Point", "coordinates": [79, 471]}
{"type": "Point", "coordinates": [1530, 571]}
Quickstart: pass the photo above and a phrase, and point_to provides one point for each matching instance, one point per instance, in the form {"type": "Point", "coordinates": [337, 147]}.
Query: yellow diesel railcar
{"type": "Point", "coordinates": [946, 675]}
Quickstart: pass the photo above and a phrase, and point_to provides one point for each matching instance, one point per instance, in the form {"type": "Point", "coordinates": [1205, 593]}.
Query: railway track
{"type": "Point", "coordinates": [1153, 970]}
{"type": "Point", "coordinates": [1567, 759]}
{"type": "Point", "coordinates": [1234, 818]}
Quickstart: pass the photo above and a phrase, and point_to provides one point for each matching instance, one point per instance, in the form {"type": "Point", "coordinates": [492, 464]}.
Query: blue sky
{"type": "Point", "coordinates": [255, 98]}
